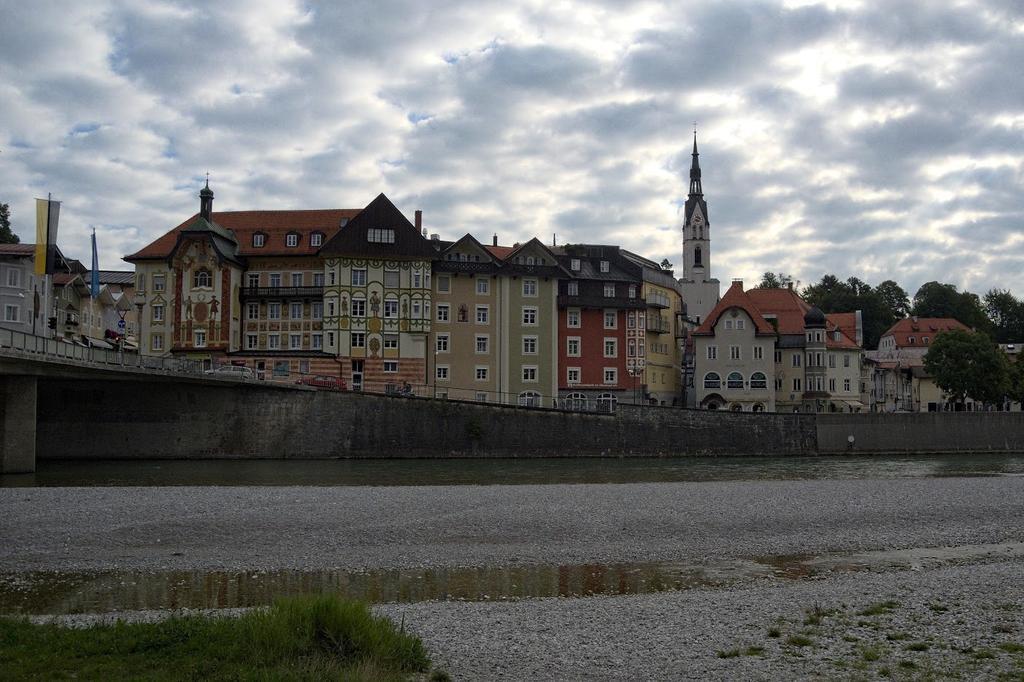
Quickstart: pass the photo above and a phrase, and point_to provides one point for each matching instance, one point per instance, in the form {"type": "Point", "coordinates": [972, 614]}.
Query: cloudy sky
{"type": "Point", "coordinates": [876, 139]}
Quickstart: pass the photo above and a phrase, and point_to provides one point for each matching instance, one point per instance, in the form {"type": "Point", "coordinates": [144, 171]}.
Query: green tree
{"type": "Point", "coordinates": [935, 299]}
{"type": "Point", "coordinates": [834, 295]}
{"type": "Point", "coordinates": [1016, 391]}
{"type": "Point", "coordinates": [6, 235]}
{"type": "Point", "coordinates": [968, 365]}
{"type": "Point", "coordinates": [894, 298]}
{"type": "Point", "coordinates": [775, 280]}
{"type": "Point", "coordinates": [1006, 314]}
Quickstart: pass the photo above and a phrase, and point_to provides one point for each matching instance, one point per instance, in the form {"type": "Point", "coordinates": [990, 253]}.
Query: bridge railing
{"type": "Point", "coordinates": [58, 348]}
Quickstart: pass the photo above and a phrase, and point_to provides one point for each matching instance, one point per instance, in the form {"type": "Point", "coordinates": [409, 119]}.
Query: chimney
{"type": "Point", "coordinates": [554, 239]}
{"type": "Point", "coordinates": [789, 285]}
{"type": "Point", "coordinates": [435, 237]}
{"type": "Point", "coordinates": [419, 220]}
{"type": "Point", "coordinates": [738, 282]}
{"type": "Point", "coordinates": [494, 242]}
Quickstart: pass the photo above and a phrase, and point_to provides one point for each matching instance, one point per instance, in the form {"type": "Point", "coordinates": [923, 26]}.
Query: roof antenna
{"type": "Point", "coordinates": [207, 179]}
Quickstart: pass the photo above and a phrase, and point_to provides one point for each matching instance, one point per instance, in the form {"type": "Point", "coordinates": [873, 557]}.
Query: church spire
{"type": "Point", "coordinates": [695, 188]}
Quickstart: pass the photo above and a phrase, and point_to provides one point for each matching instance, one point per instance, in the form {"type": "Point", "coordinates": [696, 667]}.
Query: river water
{"type": "Point", "coordinates": [413, 472]}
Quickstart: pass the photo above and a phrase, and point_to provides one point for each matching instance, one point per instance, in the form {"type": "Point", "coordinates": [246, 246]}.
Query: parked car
{"type": "Point", "coordinates": [321, 381]}
{"type": "Point", "coordinates": [235, 371]}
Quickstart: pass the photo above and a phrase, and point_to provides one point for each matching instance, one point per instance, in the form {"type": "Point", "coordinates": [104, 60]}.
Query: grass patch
{"type": "Point", "coordinates": [815, 615]}
{"type": "Point", "coordinates": [298, 638]}
{"type": "Point", "coordinates": [938, 608]}
{"type": "Point", "coordinates": [870, 653]}
{"type": "Point", "coordinates": [908, 665]}
{"type": "Point", "coordinates": [753, 651]}
{"type": "Point", "coordinates": [729, 653]}
{"type": "Point", "coordinates": [774, 632]}
{"type": "Point", "coordinates": [897, 636]}
{"type": "Point", "coordinates": [1003, 628]}
{"type": "Point", "coordinates": [884, 671]}
{"type": "Point", "coordinates": [850, 638]}
{"type": "Point", "coordinates": [982, 654]}
{"type": "Point", "coordinates": [917, 646]}
{"type": "Point", "coordinates": [879, 609]}
{"type": "Point", "coordinates": [1012, 647]}
{"type": "Point", "coordinates": [800, 640]}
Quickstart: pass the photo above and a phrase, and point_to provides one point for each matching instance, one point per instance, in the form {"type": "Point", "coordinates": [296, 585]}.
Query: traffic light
{"type": "Point", "coordinates": [51, 323]}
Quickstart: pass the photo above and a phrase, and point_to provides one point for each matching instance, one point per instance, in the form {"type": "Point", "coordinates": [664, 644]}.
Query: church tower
{"type": "Point", "coordinates": [700, 290]}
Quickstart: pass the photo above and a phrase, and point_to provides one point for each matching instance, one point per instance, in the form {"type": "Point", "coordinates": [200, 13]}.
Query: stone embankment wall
{"type": "Point", "coordinates": [92, 420]}
{"type": "Point", "coordinates": [923, 432]}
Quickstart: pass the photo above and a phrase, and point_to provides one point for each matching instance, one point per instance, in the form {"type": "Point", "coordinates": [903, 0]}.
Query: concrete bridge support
{"type": "Point", "coordinates": [18, 397]}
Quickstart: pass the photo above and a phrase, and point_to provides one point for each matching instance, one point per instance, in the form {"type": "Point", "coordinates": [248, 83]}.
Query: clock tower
{"type": "Point", "coordinates": [700, 290]}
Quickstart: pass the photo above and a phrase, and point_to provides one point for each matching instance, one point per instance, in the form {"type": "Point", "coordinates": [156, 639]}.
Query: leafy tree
{"type": "Point", "coordinates": [1016, 390]}
{"type": "Point", "coordinates": [776, 280]}
{"type": "Point", "coordinates": [1006, 314]}
{"type": "Point", "coordinates": [968, 365]}
{"type": "Point", "coordinates": [935, 299]}
{"type": "Point", "coordinates": [666, 264]}
{"type": "Point", "coordinates": [833, 295]}
{"type": "Point", "coordinates": [894, 298]}
{"type": "Point", "coordinates": [6, 235]}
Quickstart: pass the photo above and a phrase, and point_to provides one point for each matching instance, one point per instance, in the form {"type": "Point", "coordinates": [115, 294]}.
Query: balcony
{"type": "Point", "coordinates": [281, 292]}
{"type": "Point", "coordinates": [592, 301]}
{"type": "Point", "coordinates": [657, 300]}
{"type": "Point", "coordinates": [658, 324]}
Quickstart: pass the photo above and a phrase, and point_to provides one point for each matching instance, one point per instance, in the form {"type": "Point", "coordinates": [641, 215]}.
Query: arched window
{"type": "Point", "coordinates": [712, 380]}
{"type": "Point", "coordinates": [758, 407]}
{"type": "Point", "coordinates": [697, 257]}
{"type": "Point", "coordinates": [576, 402]}
{"type": "Point", "coordinates": [734, 380]}
{"type": "Point", "coordinates": [202, 278]}
{"type": "Point", "coordinates": [735, 407]}
{"type": "Point", "coordinates": [529, 399]}
{"type": "Point", "coordinates": [606, 402]}
{"type": "Point", "coordinates": [758, 380]}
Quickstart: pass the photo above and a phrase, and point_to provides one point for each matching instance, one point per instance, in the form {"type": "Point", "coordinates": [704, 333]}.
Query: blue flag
{"type": "Point", "coordinates": [95, 267]}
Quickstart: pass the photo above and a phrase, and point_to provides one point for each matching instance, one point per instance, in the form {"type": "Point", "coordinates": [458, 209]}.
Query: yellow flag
{"type": "Point", "coordinates": [42, 217]}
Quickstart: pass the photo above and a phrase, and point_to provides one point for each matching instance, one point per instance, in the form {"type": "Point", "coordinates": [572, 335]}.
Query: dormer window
{"type": "Point", "coordinates": [316, 239]}
{"type": "Point", "coordinates": [574, 265]}
{"type": "Point", "coordinates": [380, 235]}
{"type": "Point", "coordinates": [291, 239]}
{"type": "Point", "coordinates": [529, 260]}
{"type": "Point", "coordinates": [910, 340]}
{"type": "Point", "coordinates": [604, 266]}
{"type": "Point", "coordinates": [258, 240]}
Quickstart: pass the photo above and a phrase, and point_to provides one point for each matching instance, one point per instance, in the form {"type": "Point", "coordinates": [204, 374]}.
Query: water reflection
{"type": "Point", "coordinates": [404, 472]}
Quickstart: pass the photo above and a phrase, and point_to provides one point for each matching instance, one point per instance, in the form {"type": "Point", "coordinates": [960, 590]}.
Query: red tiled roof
{"type": "Point", "coordinates": [920, 327]}
{"type": "Point", "coordinates": [735, 297]}
{"type": "Point", "coordinates": [17, 249]}
{"type": "Point", "coordinates": [501, 252]}
{"type": "Point", "coordinates": [274, 224]}
{"type": "Point", "coordinates": [789, 309]}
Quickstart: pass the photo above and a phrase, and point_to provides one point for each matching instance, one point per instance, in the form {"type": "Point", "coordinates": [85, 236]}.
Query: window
{"type": "Point", "coordinates": [832, 360]}
{"type": "Point", "coordinates": [295, 310]}
{"type": "Point", "coordinates": [274, 311]}
{"type": "Point", "coordinates": [609, 290]}
{"type": "Point", "coordinates": [444, 284]}
{"type": "Point", "coordinates": [442, 312]}
{"type": "Point", "coordinates": [796, 359]}
{"type": "Point", "coordinates": [728, 324]}
{"type": "Point", "coordinates": [291, 239]}
{"type": "Point", "coordinates": [712, 352]}
{"type": "Point", "coordinates": [483, 286]}
{"type": "Point", "coordinates": [159, 282]}
{"type": "Point", "coordinates": [846, 360]}
{"type": "Point", "coordinates": [317, 341]}
{"type": "Point", "coordinates": [303, 366]}
{"type": "Point", "coordinates": [316, 239]}
{"type": "Point", "coordinates": [758, 353]}
{"type": "Point", "coordinates": [796, 384]}
{"type": "Point", "coordinates": [417, 310]}
{"type": "Point", "coordinates": [391, 342]}
{"type": "Point", "coordinates": [359, 278]}
{"type": "Point", "coordinates": [778, 356]}
{"type": "Point", "coordinates": [758, 380]}
{"type": "Point", "coordinates": [318, 279]}
{"type": "Point", "coordinates": [295, 341]}
{"type": "Point", "coordinates": [482, 343]}
{"type": "Point", "coordinates": [572, 288]}
{"type": "Point", "coordinates": [330, 339]}
{"type": "Point", "coordinates": [529, 345]}
{"type": "Point", "coordinates": [12, 313]}
{"type": "Point", "coordinates": [734, 380]}
{"type": "Point", "coordinates": [259, 239]}
{"type": "Point", "coordinates": [380, 235]}
{"type": "Point", "coordinates": [712, 380]}
{"type": "Point", "coordinates": [273, 341]}
{"type": "Point", "coordinates": [358, 307]}
{"type": "Point", "coordinates": [253, 279]}
{"type": "Point", "coordinates": [572, 375]}
{"type": "Point", "coordinates": [604, 266]}
{"type": "Point", "coordinates": [330, 307]}
{"type": "Point", "coordinates": [296, 279]}
{"type": "Point", "coordinates": [275, 279]}
{"type": "Point", "coordinates": [572, 346]}
{"type": "Point", "coordinates": [441, 343]}
{"type": "Point", "coordinates": [156, 342]}
{"type": "Point", "coordinates": [482, 314]}
{"type": "Point", "coordinates": [734, 352]}
{"type": "Point", "coordinates": [529, 287]}
{"type": "Point", "coordinates": [140, 282]}
{"type": "Point", "coordinates": [391, 308]}
{"type": "Point", "coordinates": [441, 372]}
{"type": "Point", "coordinates": [391, 279]}
{"type": "Point", "coordinates": [390, 366]}
{"type": "Point", "coordinates": [199, 338]}
{"type": "Point", "coordinates": [846, 385]}
{"type": "Point", "coordinates": [529, 373]}
{"type": "Point", "coordinates": [158, 313]}
{"type": "Point", "coordinates": [332, 276]}
{"type": "Point", "coordinates": [611, 319]}
{"type": "Point", "coordinates": [358, 340]}
{"type": "Point", "coordinates": [529, 399]}
{"type": "Point", "coordinates": [572, 318]}
{"type": "Point", "coordinates": [631, 348]}
{"type": "Point", "coordinates": [481, 373]}
{"type": "Point", "coordinates": [574, 264]}
{"type": "Point", "coordinates": [529, 315]}
{"type": "Point", "coordinates": [611, 375]}
{"type": "Point", "coordinates": [831, 385]}
{"type": "Point", "coordinates": [317, 310]}
{"type": "Point", "coordinates": [611, 348]}
{"type": "Point", "coordinates": [202, 278]}
{"type": "Point", "coordinates": [416, 279]}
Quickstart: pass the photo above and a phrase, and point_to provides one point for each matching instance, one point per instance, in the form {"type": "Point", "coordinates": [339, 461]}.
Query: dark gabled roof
{"type": "Point", "coordinates": [351, 240]}
{"type": "Point", "coordinates": [620, 268]}
{"type": "Point", "coordinates": [114, 276]}
{"type": "Point", "coordinates": [551, 267]}
{"type": "Point", "coordinates": [224, 242]}
{"type": "Point", "coordinates": [482, 260]}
